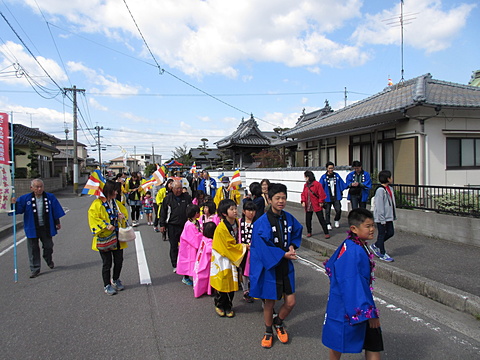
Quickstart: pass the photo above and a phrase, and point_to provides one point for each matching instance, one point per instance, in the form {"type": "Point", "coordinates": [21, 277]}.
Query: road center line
{"type": "Point", "coordinates": [143, 271]}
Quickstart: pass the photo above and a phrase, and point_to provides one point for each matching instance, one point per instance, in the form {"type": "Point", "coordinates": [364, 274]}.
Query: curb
{"type": "Point", "coordinates": [441, 293]}
{"type": "Point", "coordinates": [8, 229]}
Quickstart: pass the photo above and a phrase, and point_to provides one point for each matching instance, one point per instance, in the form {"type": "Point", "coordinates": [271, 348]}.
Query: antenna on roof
{"type": "Point", "coordinates": [402, 20]}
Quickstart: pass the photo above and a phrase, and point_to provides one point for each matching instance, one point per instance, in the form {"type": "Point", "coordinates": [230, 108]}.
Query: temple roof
{"type": "Point", "coordinates": [247, 135]}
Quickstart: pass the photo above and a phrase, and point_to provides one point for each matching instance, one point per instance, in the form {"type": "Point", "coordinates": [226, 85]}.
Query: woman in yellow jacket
{"type": "Point", "coordinates": [104, 217]}
{"type": "Point", "coordinates": [161, 194]}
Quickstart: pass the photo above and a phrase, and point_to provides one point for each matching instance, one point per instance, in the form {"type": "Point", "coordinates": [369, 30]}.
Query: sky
{"type": "Point", "coordinates": [163, 74]}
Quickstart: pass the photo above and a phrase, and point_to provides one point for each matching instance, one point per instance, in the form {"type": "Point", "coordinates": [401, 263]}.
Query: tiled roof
{"type": "Point", "coordinates": [212, 153]}
{"type": "Point", "coordinates": [33, 133]}
{"type": "Point", "coordinates": [22, 140]}
{"type": "Point", "coordinates": [247, 134]}
{"type": "Point", "coordinates": [395, 99]}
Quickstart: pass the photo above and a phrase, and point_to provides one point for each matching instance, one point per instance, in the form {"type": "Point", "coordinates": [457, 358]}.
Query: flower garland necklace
{"type": "Point", "coordinates": [352, 236]}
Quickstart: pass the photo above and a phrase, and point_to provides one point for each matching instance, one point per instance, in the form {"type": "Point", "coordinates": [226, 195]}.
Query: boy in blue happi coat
{"type": "Point", "coordinates": [276, 235]}
{"type": "Point", "coordinates": [351, 320]}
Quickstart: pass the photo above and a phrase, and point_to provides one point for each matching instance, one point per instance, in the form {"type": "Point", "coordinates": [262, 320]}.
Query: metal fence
{"type": "Point", "coordinates": [461, 201]}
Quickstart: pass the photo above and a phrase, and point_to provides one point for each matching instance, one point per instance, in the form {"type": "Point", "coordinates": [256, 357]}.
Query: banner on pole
{"type": "Point", "coordinates": [5, 177]}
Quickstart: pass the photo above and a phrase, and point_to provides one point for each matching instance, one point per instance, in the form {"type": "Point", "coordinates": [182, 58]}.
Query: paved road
{"type": "Point", "coordinates": [64, 314]}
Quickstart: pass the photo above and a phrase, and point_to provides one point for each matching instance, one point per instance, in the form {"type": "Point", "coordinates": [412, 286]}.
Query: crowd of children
{"type": "Point", "coordinates": [217, 251]}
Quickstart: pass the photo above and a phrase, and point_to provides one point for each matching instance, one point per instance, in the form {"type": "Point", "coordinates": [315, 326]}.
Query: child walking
{"type": "Point", "coordinates": [201, 270]}
{"type": "Point", "coordinates": [351, 320]}
{"type": "Point", "coordinates": [275, 238]}
{"type": "Point", "coordinates": [384, 215]}
{"type": "Point", "coordinates": [227, 254]}
{"type": "Point", "coordinates": [189, 242]}
{"type": "Point", "coordinates": [209, 213]}
{"type": "Point", "coordinates": [246, 226]}
{"type": "Point", "coordinates": [147, 203]}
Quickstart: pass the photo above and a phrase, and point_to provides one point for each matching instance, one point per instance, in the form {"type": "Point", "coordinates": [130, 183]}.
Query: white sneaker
{"type": "Point", "coordinates": [337, 224]}
{"type": "Point", "coordinates": [329, 227]}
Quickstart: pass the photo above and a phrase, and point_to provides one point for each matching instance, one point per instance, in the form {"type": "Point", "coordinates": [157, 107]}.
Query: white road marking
{"type": "Point", "coordinates": [143, 271]}
{"type": "Point", "coordinates": [11, 246]}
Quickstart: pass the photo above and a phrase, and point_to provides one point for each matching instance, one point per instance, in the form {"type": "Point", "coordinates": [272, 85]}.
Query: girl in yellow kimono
{"type": "Point", "coordinates": [227, 254]}
{"type": "Point", "coordinates": [105, 215]}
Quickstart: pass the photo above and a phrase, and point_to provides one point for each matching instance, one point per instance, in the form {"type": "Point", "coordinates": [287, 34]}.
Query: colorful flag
{"type": "Point", "coordinates": [235, 181]}
{"type": "Point", "coordinates": [94, 185]}
{"type": "Point", "coordinates": [148, 183]}
{"type": "Point", "coordinates": [390, 83]}
{"type": "Point", "coordinates": [193, 169]}
{"type": "Point", "coordinates": [220, 177]}
{"type": "Point", "coordinates": [159, 175]}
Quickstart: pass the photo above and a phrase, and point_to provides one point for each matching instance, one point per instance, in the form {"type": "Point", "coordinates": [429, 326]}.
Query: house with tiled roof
{"type": "Point", "coordinates": [26, 138]}
{"type": "Point", "coordinates": [121, 164]}
{"type": "Point", "coordinates": [64, 159]}
{"type": "Point", "coordinates": [426, 131]}
{"type": "Point", "coordinates": [244, 141]}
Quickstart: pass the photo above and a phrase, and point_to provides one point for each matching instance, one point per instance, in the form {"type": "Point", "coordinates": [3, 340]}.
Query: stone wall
{"type": "Point", "coordinates": [22, 186]}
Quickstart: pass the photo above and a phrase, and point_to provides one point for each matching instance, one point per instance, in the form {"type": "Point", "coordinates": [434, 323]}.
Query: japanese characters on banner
{"type": "Point", "coordinates": [5, 178]}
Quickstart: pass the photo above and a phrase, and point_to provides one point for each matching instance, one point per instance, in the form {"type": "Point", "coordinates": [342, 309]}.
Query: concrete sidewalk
{"type": "Point", "coordinates": [441, 270]}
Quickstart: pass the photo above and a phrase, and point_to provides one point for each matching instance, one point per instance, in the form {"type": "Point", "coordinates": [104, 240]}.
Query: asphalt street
{"type": "Point", "coordinates": [64, 314]}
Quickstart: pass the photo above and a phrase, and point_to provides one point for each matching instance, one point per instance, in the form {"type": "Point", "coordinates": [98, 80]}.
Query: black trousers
{"type": "Point", "coordinates": [174, 232]}
{"type": "Point", "coordinates": [321, 219]}
{"type": "Point", "coordinates": [109, 257]}
{"type": "Point", "coordinates": [337, 205]}
{"type": "Point", "coordinates": [34, 248]}
{"type": "Point", "coordinates": [224, 300]}
{"type": "Point", "coordinates": [155, 210]}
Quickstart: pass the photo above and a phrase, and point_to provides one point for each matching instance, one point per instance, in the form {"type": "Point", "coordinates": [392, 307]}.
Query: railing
{"type": "Point", "coordinates": [462, 201]}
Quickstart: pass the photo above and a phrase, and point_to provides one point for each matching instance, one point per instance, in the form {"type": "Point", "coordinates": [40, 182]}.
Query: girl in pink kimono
{"type": "Point", "coordinates": [209, 213]}
{"type": "Point", "coordinates": [189, 243]}
{"type": "Point", "coordinates": [201, 276]}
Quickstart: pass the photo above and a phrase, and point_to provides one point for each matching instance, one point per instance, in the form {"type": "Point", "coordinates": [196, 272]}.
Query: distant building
{"type": "Point", "coordinates": [118, 165]}
{"type": "Point", "coordinates": [211, 158]}
{"type": "Point", "coordinates": [64, 159]}
{"type": "Point", "coordinates": [145, 160]}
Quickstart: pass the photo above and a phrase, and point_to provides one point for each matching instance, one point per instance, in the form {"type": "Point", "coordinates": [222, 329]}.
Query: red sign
{"type": "Point", "coordinates": [4, 140]}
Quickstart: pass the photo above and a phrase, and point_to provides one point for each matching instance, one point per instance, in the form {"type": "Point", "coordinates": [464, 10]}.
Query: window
{"type": "Point", "coordinates": [328, 151]}
{"type": "Point", "coordinates": [463, 153]}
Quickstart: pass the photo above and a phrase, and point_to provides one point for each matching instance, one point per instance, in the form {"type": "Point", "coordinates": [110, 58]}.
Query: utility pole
{"type": "Point", "coordinates": [74, 90]}
{"type": "Point", "coordinates": [98, 128]}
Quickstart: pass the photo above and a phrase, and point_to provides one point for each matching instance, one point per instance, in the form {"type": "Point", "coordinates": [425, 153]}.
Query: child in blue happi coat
{"type": "Point", "coordinates": [351, 320]}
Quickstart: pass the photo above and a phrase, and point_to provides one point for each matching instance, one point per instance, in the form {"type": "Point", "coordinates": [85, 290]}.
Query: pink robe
{"type": "Point", "coordinates": [187, 251]}
{"type": "Point", "coordinates": [246, 271]}
{"type": "Point", "coordinates": [201, 277]}
{"type": "Point", "coordinates": [214, 218]}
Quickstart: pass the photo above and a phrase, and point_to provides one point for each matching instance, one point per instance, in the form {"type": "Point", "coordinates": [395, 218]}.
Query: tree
{"type": "Point", "coordinates": [150, 169]}
{"type": "Point", "coordinates": [204, 148]}
{"type": "Point", "coordinates": [270, 158]}
{"type": "Point", "coordinates": [181, 155]}
{"type": "Point", "coordinates": [33, 165]}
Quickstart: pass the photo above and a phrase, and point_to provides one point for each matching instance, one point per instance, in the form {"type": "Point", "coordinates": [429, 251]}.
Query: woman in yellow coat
{"type": "Point", "coordinates": [105, 215]}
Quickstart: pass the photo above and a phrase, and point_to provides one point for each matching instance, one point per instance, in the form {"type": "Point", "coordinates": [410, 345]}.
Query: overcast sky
{"type": "Point", "coordinates": [268, 58]}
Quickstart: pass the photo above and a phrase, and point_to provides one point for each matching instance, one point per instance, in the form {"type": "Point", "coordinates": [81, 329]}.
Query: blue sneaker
{"type": "Point", "coordinates": [109, 290]}
{"type": "Point", "coordinates": [187, 281]}
{"type": "Point", "coordinates": [386, 258]}
{"type": "Point", "coordinates": [117, 285]}
{"type": "Point", "coordinates": [376, 251]}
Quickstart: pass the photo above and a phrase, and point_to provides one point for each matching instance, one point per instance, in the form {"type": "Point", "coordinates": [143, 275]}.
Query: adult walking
{"type": "Point", "coordinates": [105, 216]}
{"type": "Point", "coordinates": [333, 185]}
{"type": "Point", "coordinates": [265, 184]}
{"type": "Point", "coordinates": [313, 198]}
{"type": "Point", "coordinates": [173, 216]}
{"type": "Point", "coordinates": [134, 189]}
{"type": "Point", "coordinates": [41, 218]}
{"type": "Point", "coordinates": [384, 214]}
{"type": "Point", "coordinates": [207, 184]}
{"type": "Point", "coordinates": [359, 184]}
